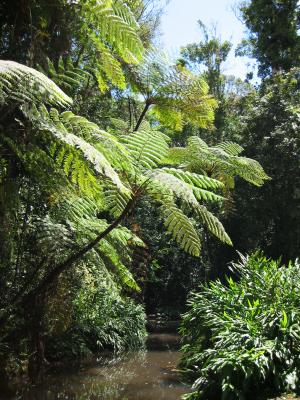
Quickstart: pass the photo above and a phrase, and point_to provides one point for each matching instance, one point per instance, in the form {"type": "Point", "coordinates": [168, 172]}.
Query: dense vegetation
{"type": "Point", "coordinates": [243, 337]}
{"type": "Point", "coordinates": [127, 179]}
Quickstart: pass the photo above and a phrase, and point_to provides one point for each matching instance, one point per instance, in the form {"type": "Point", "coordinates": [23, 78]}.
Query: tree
{"type": "Point", "coordinates": [273, 34]}
{"type": "Point", "coordinates": [209, 56]}
{"type": "Point", "coordinates": [211, 53]}
{"type": "Point", "coordinates": [175, 95]}
{"type": "Point", "coordinates": [270, 131]}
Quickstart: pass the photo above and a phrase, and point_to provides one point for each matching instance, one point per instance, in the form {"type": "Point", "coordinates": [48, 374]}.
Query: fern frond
{"type": "Point", "coordinates": [182, 190]}
{"type": "Point", "coordinates": [77, 208]}
{"type": "Point", "coordinates": [107, 65]}
{"type": "Point", "coordinates": [109, 253]}
{"type": "Point", "coordinates": [147, 148]}
{"type": "Point", "coordinates": [123, 11]}
{"type": "Point", "coordinates": [23, 84]}
{"type": "Point", "coordinates": [177, 96]}
{"type": "Point", "coordinates": [231, 148]}
{"type": "Point", "coordinates": [37, 163]}
{"type": "Point", "coordinates": [52, 125]}
{"type": "Point", "coordinates": [250, 170]}
{"type": "Point", "coordinates": [116, 201]}
{"type": "Point", "coordinates": [82, 216]}
{"type": "Point", "coordinates": [218, 161]}
{"type": "Point", "coordinates": [52, 238]}
{"type": "Point", "coordinates": [111, 32]}
{"type": "Point", "coordinates": [124, 236]}
{"type": "Point", "coordinates": [104, 142]}
{"type": "Point", "coordinates": [76, 169]}
{"type": "Point", "coordinates": [67, 76]}
{"type": "Point", "coordinates": [181, 229]}
{"type": "Point", "coordinates": [213, 224]}
{"type": "Point", "coordinates": [197, 180]}
{"type": "Point", "coordinates": [115, 24]}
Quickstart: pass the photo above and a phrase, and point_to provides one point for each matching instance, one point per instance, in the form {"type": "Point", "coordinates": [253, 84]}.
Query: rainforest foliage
{"type": "Point", "coordinates": [127, 179]}
{"type": "Point", "coordinates": [243, 337]}
{"type": "Point", "coordinates": [240, 333]}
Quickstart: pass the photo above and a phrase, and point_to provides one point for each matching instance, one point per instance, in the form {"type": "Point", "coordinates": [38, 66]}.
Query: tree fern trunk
{"type": "Point", "coordinates": [142, 116]}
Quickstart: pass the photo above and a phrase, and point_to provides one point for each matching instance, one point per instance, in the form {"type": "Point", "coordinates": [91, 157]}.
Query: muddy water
{"type": "Point", "coordinates": [150, 375]}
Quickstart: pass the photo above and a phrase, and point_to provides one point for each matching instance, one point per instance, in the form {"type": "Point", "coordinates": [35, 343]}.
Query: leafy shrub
{"type": "Point", "coordinates": [101, 318]}
{"type": "Point", "coordinates": [108, 320]}
{"type": "Point", "coordinates": [244, 337]}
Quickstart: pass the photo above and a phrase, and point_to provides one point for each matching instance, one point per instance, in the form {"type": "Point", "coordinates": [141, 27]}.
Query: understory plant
{"type": "Point", "coordinates": [242, 338]}
{"type": "Point", "coordinates": [99, 317]}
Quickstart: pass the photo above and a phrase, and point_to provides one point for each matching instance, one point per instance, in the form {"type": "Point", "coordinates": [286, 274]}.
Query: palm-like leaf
{"type": "Point", "coordinates": [147, 147]}
{"type": "Point", "coordinates": [111, 31]}
{"type": "Point", "coordinates": [23, 84]}
{"type": "Point", "coordinates": [114, 250]}
{"type": "Point", "coordinates": [219, 161]}
{"type": "Point", "coordinates": [53, 125]}
{"type": "Point", "coordinates": [181, 228]}
{"type": "Point", "coordinates": [176, 95]}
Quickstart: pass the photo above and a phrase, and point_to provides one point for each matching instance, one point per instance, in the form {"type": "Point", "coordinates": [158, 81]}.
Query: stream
{"type": "Point", "coordinates": [148, 375]}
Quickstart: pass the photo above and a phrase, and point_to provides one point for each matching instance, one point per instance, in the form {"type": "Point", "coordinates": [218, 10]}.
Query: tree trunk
{"type": "Point", "coordinates": [37, 361]}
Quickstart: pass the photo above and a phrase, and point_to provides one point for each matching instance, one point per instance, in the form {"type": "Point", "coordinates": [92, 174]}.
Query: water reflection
{"type": "Point", "coordinates": [140, 376]}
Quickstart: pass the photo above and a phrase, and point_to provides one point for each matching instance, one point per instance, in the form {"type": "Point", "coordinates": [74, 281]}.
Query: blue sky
{"type": "Point", "coordinates": [179, 27]}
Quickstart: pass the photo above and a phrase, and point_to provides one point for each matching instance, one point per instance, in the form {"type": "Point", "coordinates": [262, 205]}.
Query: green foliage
{"type": "Point", "coordinates": [244, 336]}
{"type": "Point", "coordinates": [67, 75]}
{"type": "Point", "coordinates": [107, 24]}
{"type": "Point", "coordinates": [181, 229]}
{"type": "Point", "coordinates": [74, 150]}
{"type": "Point", "coordinates": [100, 318]}
{"type": "Point", "coordinates": [220, 161]}
{"type": "Point", "coordinates": [270, 132]}
{"type": "Point", "coordinates": [110, 319]}
{"type": "Point", "coordinates": [147, 147]}
{"type": "Point", "coordinates": [97, 36]}
{"type": "Point", "coordinates": [273, 34]}
{"type": "Point", "coordinates": [23, 84]}
{"type": "Point", "coordinates": [74, 185]}
{"type": "Point", "coordinates": [176, 95]}
{"type": "Point", "coordinates": [166, 273]}
{"type": "Point", "coordinates": [211, 52]}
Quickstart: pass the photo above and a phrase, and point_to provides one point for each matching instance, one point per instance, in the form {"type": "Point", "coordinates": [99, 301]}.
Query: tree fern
{"type": "Point", "coordinates": [111, 256]}
{"type": "Point", "coordinates": [147, 147]}
{"type": "Point", "coordinates": [181, 229]}
{"type": "Point", "coordinates": [76, 169]}
{"type": "Point", "coordinates": [52, 124]}
{"type": "Point", "coordinates": [67, 75]}
{"type": "Point", "coordinates": [106, 143]}
{"type": "Point", "coordinates": [175, 95]}
{"type": "Point", "coordinates": [115, 251]}
{"type": "Point", "coordinates": [111, 32]}
{"type": "Point", "coordinates": [115, 200]}
{"type": "Point", "coordinates": [86, 173]}
{"type": "Point", "coordinates": [187, 192]}
{"type": "Point", "coordinates": [221, 161]}
{"type": "Point", "coordinates": [197, 180]}
{"type": "Point", "coordinates": [213, 224]}
{"type": "Point", "coordinates": [22, 84]}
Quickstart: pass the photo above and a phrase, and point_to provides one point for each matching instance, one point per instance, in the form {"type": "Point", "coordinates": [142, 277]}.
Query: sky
{"type": "Point", "coordinates": [179, 27]}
